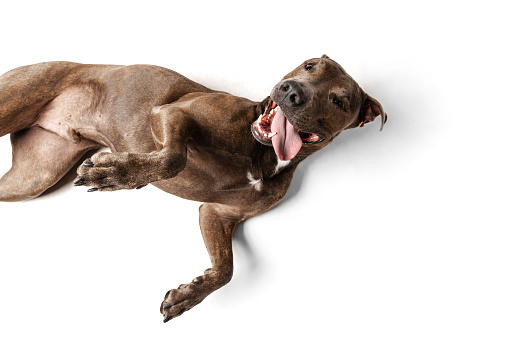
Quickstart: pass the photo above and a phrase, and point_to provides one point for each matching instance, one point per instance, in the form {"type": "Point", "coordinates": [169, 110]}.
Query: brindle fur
{"type": "Point", "coordinates": [176, 134]}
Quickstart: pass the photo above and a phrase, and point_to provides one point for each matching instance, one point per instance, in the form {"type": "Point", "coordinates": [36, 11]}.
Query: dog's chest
{"type": "Point", "coordinates": [213, 175]}
{"type": "Point", "coordinates": [221, 169]}
{"type": "Point", "coordinates": [256, 181]}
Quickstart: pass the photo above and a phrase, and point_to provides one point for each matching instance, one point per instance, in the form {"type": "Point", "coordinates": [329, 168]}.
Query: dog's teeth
{"type": "Point", "coordinates": [271, 134]}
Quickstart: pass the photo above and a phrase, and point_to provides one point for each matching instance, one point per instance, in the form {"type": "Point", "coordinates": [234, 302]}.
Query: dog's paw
{"type": "Point", "coordinates": [109, 172]}
{"type": "Point", "coordinates": [182, 299]}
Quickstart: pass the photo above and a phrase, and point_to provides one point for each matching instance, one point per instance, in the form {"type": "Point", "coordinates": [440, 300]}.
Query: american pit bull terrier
{"type": "Point", "coordinates": [235, 155]}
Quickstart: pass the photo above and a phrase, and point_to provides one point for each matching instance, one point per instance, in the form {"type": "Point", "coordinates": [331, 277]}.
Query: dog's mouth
{"type": "Point", "coordinates": [272, 128]}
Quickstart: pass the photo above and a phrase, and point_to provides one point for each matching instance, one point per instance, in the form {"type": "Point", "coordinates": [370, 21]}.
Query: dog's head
{"type": "Point", "coordinates": [312, 105]}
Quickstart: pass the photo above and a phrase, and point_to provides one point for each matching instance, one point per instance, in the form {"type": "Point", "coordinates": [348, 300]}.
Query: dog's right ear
{"type": "Point", "coordinates": [370, 109]}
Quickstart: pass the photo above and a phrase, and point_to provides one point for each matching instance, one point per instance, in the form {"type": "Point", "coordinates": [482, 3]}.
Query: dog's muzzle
{"type": "Point", "coordinates": [272, 128]}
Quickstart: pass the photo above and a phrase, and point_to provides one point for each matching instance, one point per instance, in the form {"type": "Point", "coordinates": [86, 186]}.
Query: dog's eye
{"type": "Point", "coordinates": [308, 67]}
{"type": "Point", "coordinates": [338, 102]}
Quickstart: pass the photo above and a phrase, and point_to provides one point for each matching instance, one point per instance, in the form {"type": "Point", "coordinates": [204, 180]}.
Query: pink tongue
{"type": "Point", "coordinates": [287, 141]}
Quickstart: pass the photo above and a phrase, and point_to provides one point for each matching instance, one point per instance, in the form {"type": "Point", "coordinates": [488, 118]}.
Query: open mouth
{"type": "Point", "coordinates": [272, 128]}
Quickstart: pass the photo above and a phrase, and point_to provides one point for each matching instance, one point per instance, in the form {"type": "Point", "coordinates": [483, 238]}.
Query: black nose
{"type": "Point", "coordinates": [292, 93]}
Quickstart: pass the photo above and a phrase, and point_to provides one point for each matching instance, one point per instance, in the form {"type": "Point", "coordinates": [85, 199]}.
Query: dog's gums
{"type": "Point", "coordinates": [283, 136]}
{"type": "Point", "coordinates": [261, 128]}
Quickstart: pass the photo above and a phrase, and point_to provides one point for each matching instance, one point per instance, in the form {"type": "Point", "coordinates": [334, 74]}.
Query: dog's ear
{"type": "Point", "coordinates": [370, 109]}
{"type": "Point", "coordinates": [325, 57]}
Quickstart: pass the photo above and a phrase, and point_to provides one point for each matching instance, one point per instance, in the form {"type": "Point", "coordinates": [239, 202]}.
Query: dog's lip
{"type": "Point", "coordinates": [259, 138]}
{"type": "Point", "coordinates": [261, 127]}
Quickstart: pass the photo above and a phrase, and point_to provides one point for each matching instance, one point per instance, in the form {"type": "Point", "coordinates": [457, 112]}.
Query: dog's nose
{"type": "Point", "coordinates": [292, 93]}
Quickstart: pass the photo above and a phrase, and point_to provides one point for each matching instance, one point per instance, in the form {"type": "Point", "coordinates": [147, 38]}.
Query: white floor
{"type": "Point", "coordinates": [399, 234]}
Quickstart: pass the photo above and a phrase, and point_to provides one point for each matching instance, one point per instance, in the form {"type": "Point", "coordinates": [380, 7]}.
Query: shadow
{"type": "Point", "coordinates": [69, 177]}
{"type": "Point", "coordinates": [335, 148]}
{"type": "Point", "coordinates": [247, 253]}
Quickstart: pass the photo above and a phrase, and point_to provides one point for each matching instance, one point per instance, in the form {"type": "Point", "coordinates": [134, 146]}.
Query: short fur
{"type": "Point", "coordinates": [176, 134]}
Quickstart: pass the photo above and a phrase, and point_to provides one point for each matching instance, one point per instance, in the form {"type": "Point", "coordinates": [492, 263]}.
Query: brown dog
{"type": "Point", "coordinates": [235, 155]}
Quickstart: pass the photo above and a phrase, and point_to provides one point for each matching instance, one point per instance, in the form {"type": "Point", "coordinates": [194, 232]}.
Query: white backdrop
{"type": "Point", "coordinates": [399, 234]}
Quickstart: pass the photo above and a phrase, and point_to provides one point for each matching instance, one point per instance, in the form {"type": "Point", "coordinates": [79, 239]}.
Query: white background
{"type": "Point", "coordinates": [399, 234]}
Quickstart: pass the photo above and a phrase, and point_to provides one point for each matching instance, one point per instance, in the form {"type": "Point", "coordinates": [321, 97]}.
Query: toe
{"type": "Point", "coordinates": [79, 181]}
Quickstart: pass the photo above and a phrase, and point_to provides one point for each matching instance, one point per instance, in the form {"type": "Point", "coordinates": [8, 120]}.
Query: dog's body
{"type": "Point", "coordinates": [235, 155]}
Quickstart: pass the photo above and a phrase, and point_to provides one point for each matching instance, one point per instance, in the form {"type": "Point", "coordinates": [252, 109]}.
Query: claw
{"type": "Point", "coordinates": [79, 181]}
{"type": "Point", "coordinates": [88, 164]}
{"type": "Point", "coordinates": [140, 187]}
{"type": "Point", "coordinates": [93, 189]}
{"type": "Point", "coordinates": [165, 307]}
{"type": "Point", "coordinates": [168, 318]}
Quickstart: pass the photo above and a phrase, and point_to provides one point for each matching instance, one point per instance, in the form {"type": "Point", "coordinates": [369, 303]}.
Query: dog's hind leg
{"type": "Point", "coordinates": [25, 90]}
{"type": "Point", "coordinates": [39, 160]}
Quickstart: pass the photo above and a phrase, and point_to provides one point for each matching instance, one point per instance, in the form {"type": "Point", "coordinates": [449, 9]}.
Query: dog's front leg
{"type": "Point", "coordinates": [113, 171]}
{"type": "Point", "coordinates": [217, 223]}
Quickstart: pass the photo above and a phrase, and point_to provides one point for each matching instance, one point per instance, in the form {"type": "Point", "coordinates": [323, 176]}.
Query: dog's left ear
{"type": "Point", "coordinates": [370, 109]}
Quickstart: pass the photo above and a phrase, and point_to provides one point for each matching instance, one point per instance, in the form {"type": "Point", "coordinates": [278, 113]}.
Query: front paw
{"type": "Point", "coordinates": [182, 299]}
{"type": "Point", "coordinates": [109, 172]}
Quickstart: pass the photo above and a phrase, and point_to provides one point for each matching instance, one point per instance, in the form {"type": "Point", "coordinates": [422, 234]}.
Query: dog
{"type": "Point", "coordinates": [235, 155]}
